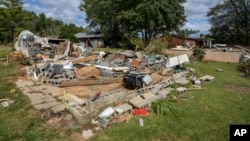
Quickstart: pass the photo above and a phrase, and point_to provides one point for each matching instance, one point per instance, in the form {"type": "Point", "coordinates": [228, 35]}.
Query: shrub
{"type": "Point", "coordinates": [198, 54]}
{"type": "Point", "coordinates": [139, 45]}
{"type": "Point", "coordinates": [156, 47]}
{"type": "Point", "coordinates": [244, 66]}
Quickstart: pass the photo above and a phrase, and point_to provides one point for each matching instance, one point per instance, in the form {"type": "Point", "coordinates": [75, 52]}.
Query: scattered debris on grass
{"type": "Point", "coordinates": [7, 102]}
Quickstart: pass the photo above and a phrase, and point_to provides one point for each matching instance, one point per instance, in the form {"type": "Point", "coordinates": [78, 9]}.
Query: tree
{"type": "Point", "coordinates": [14, 19]}
{"type": "Point", "coordinates": [186, 32]}
{"type": "Point", "coordinates": [68, 32]}
{"type": "Point", "coordinates": [119, 20]}
{"type": "Point", "coordinates": [10, 18]}
{"type": "Point", "coordinates": [230, 21]}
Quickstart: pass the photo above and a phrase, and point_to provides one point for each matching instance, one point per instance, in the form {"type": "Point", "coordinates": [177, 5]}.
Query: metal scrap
{"type": "Point", "coordinates": [42, 49]}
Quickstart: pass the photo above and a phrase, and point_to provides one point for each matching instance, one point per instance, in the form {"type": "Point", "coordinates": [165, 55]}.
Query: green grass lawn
{"type": "Point", "coordinates": [20, 121]}
{"type": "Point", "coordinates": [4, 50]}
{"type": "Point", "coordinates": [206, 115]}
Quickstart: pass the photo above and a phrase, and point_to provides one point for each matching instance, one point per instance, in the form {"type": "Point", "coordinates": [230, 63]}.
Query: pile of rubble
{"type": "Point", "coordinates": [60, 63]}
{"type": "Point", "coordinates": [136, 102]}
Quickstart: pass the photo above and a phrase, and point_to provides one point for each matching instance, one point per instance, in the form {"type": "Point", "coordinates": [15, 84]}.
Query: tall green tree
{"type": "Point", "coordinates": [230, 21]}
{"type": "Point", "coordinates": [68, 32]}
{"type": "Point", "coordinates": [14, 19]}
{"type": "Point", "coordinates": [186, 32]}
{"type": "Point", "coordinates": [118, 19]}
{"type": "Point", "coordinates": [10, 18]}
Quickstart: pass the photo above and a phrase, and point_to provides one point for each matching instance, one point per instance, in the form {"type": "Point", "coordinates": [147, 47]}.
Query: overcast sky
{"type": "Point", "coordinates": [68, 12]}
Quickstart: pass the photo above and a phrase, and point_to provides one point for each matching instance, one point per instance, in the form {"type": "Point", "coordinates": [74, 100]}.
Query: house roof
{"type": "Point", "coordinates": [88, 35]}
{"type": "Point", "coordinates": [204, 39]}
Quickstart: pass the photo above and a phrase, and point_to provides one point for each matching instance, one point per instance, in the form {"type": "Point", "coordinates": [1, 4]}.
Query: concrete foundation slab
{"type": "Point", "coordinates": [35, 101]}
{"type": "Point", "coordinates": [46, 105]}
{"type": "Point", "coordinates": [58, 108]}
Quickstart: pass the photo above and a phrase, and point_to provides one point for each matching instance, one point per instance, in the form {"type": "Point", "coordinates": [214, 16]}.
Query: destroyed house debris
{"type": "Point", "coordinates": [100, 68]}
{"type": "Point", "coordinates": [38, 48]}
{"type": "Point", "coordinates": [132, 71]}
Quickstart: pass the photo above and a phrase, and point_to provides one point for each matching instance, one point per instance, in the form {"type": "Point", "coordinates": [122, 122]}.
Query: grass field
{"type": "Point", "coordinates": [21, 121]}
{"type": "Point", "coordinates": [200, 115]}
{"type": "Point", "coordinates": [18, 121]}
{"type": "Point", "coordinates": [4, 51]}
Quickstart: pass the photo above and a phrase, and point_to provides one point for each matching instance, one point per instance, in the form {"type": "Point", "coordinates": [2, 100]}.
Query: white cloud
{"type": "Point", "coordinates": [196, 11]}
{"type": "Point", "coordinates": [68, 12]}
{"type": "Point", "coordinates": [64, 10]}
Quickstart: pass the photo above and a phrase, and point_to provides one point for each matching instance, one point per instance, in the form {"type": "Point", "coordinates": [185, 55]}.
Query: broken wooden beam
{"type": "Point", "coordinates": [85, 59]}
{"type": "Point", "coordinates": [91, 82]}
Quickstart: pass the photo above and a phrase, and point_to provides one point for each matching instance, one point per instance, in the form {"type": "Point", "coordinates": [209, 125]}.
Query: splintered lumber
{"type": "Point", "coordinates": [85, 59]}
{"type": "Point", "coordinates": [87, 72]}
{"type": "Point", "coordinates": [91, 82]}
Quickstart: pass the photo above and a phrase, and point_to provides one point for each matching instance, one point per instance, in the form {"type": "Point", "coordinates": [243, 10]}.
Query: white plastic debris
{"type": "Point", "coordinates": [147, 79]}
{"type": "Point", "coordinates": [7, 103]}
{"type": "Point", "coordinates": [68, 66]}
{"type": "Point", "coordinates": [141, 122]}
{"type": "Point", "coordinates": [101, 53]}
{"type": "Point", "coordinates": [106, 113]}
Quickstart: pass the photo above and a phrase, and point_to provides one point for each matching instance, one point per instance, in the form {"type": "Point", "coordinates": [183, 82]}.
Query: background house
{"type": "Point", "coordinates": [90, 39]}
{"type": "Point", "coordinates": [191, 41]}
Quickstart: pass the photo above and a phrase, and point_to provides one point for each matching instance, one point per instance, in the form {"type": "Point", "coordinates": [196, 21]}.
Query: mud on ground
{"type": "Point", "coordinates": [239, 89]}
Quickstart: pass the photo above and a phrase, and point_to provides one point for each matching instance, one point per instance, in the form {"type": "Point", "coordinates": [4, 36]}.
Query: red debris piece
{"type": "Point", "coordinates": [140, 112]}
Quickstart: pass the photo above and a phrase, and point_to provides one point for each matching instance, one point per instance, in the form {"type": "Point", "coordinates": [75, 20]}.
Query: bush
{"type": "Point", "coordinates": [139, 45]}
{"type": "Point", "coordinates": [156, 47]}
{"type": "Point", "coordinates": [244, 66]}
{"type": "Point", "coordinates": [198, 54]}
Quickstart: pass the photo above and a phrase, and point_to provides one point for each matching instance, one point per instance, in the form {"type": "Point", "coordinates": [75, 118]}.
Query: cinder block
{"type": "Point", "coordinates": [81, 116]}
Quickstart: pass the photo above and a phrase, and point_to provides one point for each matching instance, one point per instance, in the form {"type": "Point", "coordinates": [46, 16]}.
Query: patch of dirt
{"type": "Point", "coordinates": [239, 89]}
{"type": "Point", "coordinates": [90, 91]}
